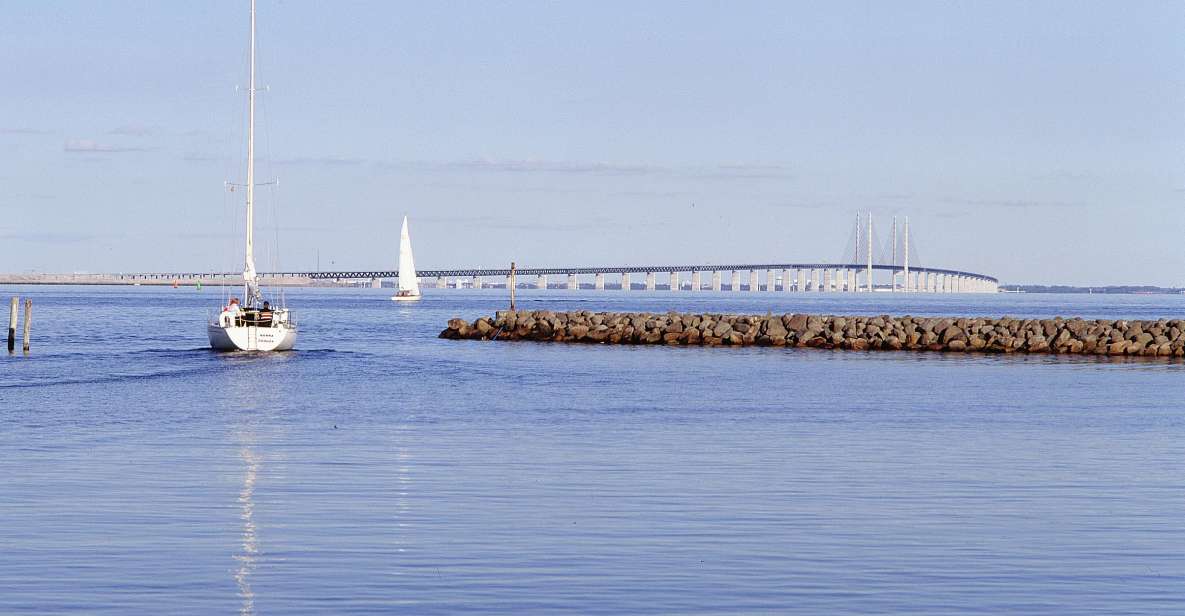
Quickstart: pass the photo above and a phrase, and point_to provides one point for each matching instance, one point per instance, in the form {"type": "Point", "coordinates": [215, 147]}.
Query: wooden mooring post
{"type": "Point", "coordinates": [28, 319]}
{"type": "Point", "coordinates": [12, 323]}
{"type": "Point", "coordinates": [513, 284]}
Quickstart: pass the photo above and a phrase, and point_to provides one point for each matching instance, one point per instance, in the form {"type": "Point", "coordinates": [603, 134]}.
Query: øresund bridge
{"type": "Point", "coordinates": [866, 273]}
{"type": "Point", "coordinates": [820, 277]}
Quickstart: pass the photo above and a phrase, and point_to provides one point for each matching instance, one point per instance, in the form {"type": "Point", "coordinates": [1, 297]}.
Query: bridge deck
{"type": "Point", "coordinates": [627, 269]}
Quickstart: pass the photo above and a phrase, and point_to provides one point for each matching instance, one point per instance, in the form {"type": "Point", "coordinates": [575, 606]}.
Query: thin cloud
{"type": "Point", "coordinates": [727, 171]}
{"type": "Point", "coordinates": [896, 196]}
{"type": "Point", "coordinates": [197, 157]}
{"type": "Point", "coordinates": [800, 205]}
{"type": "Point", "coordinates": [550, 167]}
{"type": "Point", "coordinates": [1064, 175]}
{"type": "Point", "coordinates": [979, 203]}
{"type": "Point", "coordinates": [51, 237]}
{"type": "Point", "coordinates": [1022, 204]}
{"type": "Point", "coordinates": [24, 131]}
{"type": "Point", "coordinates": [35, 196]}
{"type": "Point", "coordinates": [493, 222]}
{"type": "Point", "coordinates": [327, 161]}
{"type": "Point", "coordinates": [134, 130]}
{"type": "Point", "coordinates": [93, 147]}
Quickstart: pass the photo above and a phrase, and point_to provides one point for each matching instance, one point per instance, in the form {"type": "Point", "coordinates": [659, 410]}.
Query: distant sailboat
{"type": "Point", "coordinates": [254, 325]}
{"type": "Point", "coordinates": [409, 284]}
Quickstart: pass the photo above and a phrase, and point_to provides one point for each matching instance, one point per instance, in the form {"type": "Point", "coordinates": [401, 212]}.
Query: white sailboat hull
{"type": "Point", "coordinates": [406, 298]}
{"type": "Point", "coordinates": [251, 338]}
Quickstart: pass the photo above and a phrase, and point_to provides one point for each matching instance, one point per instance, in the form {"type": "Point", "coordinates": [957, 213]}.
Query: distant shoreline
{"type": "Point", "coordinates": [1106, 290]}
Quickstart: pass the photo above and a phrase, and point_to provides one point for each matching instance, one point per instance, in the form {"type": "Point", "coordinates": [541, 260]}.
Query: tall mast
{"type": "Point", "coordinates": [249, 277]}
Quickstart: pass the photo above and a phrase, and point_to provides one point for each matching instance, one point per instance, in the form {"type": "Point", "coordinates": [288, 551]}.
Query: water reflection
{"type": "Point", "coordinates": [250, 547]}
{"type": "Point", "coordinates": [245, 400]}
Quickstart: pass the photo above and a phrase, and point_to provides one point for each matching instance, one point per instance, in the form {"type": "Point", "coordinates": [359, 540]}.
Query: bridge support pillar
{"type": "Point", "coordinates": [695, 281]}
{"type": "Point", "coordinates": [572, 285]}
{"type": "Point", "coordinates": [650, 282]}
{"type": "Point", "coordinates": [476, 283]}
{"type": "Point", "coordinates": [599, 281]}
{"type": "Point", "coordinates": [786, 282]}
{"type": "Point", "coordinates": [826, 280]}
{"type": "Point", "coordinates": [932, 283]}
{"type": "Point", "coordinates": [376, 283]}
{"type": "Point", "coordinates": [735, 284]}
{"type": "Point", "coordinates": [625, 281]}
{"type": "Point", "coordinates": [541, 281]}
{"type": "Point", "coordinates": [441, 282]}
{"type": "Point", "coordinates": [851, 281]}
{"type": "Point", "coordinates": [716, 281]}
{"type": "Point", "coordinates": [674, 281]}
{"type": "Point", "coordinates": [754, 281]}
{"type": "Point", "coordinates": [798, 281]}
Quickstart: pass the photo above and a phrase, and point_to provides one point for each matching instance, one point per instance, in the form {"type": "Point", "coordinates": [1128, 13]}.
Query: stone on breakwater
{"type": "Point", "coordinates": [1161, 338]}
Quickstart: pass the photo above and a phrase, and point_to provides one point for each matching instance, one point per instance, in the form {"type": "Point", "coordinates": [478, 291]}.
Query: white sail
{"type": "Point", "coordinates": [409, 284]}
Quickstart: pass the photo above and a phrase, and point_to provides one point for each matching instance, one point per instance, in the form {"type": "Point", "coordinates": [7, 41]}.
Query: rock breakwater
{"type": "Point", "coordinates": [1165, 338]}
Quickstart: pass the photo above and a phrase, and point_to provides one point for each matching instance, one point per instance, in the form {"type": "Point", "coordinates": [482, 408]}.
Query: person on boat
{"type": "Point", "coordinates": [265, 315]}
{"type": "Point", "coordinates": [235, 310]}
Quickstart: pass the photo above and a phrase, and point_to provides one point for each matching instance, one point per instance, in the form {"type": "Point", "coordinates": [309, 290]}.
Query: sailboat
{"type": "Point", "coordinates": [253, 325]}
{"type": "Point", "coordinates": [409, 284]}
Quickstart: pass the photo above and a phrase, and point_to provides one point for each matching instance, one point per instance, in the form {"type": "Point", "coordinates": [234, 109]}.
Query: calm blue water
{"type": "Point", "coordinates": [381, 470]}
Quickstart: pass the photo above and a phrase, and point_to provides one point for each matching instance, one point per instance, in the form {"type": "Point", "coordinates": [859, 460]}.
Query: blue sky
{"type": "Point", "coordinates": [1035, 141]}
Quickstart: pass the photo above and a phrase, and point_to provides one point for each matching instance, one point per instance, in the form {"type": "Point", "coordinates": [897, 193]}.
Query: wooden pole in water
{"type": "Point", "coordinates": [12, 323]}
{"type": "Point", "coordinates": [28, 318]}
{"type": "Point", "coordinates": [513, 283]}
